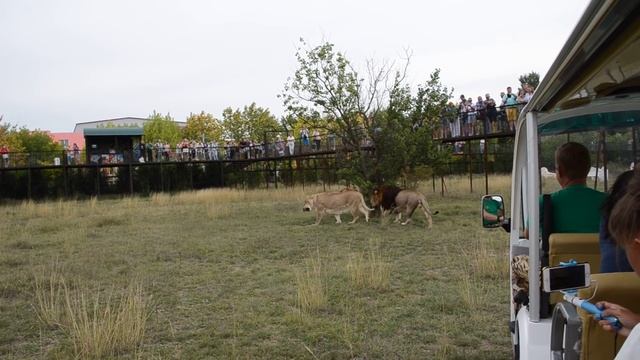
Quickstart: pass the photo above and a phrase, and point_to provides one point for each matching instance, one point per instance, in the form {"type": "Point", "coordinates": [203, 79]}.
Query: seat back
{"type": "Point", "coordinates": [618, 288]}
{"type": "Point", "coordinates": [580, 247]}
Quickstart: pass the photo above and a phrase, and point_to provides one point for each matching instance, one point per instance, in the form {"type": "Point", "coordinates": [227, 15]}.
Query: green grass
{"type": "Point", "coordinates": [220, 274]}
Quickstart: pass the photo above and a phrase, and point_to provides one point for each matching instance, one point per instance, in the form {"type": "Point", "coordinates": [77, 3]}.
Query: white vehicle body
{"type": "Point", "coordinates": [603, 52]}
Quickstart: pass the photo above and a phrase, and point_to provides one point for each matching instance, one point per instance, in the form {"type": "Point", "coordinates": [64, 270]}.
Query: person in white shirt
{"type": "Point", "coordinates": [528, 93]}
{"type": "Point", "coordinates": [316, 139]}
{"type": "Point", "coordinates": [291, 144]}
{"type": "Point", "coordinates": [213, 150]}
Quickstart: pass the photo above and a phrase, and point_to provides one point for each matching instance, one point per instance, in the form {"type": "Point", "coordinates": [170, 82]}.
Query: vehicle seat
{"type": "Point", "coordinates": [580, 247]}
{"type": "Point", "coordinates": [619, 288]}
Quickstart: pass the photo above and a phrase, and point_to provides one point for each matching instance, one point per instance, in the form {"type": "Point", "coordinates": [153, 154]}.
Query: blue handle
{"type": "Point", "coordinates": [589, 307]}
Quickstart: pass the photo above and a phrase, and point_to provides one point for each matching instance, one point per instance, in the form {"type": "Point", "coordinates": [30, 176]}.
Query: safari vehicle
{"type": "Point", "coordinates": [593, 87]}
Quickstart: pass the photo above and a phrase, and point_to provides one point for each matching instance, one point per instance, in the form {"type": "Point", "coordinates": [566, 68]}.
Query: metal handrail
{"type": "Point", "coordinates": [328, 142]}
{"type": "Point", "coordinates": [461, 124]}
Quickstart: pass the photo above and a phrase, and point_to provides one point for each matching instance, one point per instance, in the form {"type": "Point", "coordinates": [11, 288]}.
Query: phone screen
{"type": "Point", "coordinates": [569, 277]}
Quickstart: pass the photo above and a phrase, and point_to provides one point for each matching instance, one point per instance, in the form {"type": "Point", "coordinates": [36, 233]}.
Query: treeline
{"type": "Point", "coordinates": [249, 123]}
{"type": "Point", "coordinates": [21, 139]}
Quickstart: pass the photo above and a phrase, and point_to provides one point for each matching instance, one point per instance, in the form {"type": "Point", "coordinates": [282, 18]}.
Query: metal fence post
{"type": "Point", "coordinates": [65, 172]}
{"type": "Point", "coordinates": [29, 182]}
{"type": "Point", "coordinates": [130, 178]}
{"type": "Point", "coordinates": [161, 177]}
{"type": "Point", "coordinates": [97, 187]}
{"type": "Point", "coordinates": [275, 172]}
{"type": "Point", "coordinates": [486, 162]}
{"type": "Point", "coordinates": [221, 173]}
{"type": "Point", "coordinates": [191, 173]}
{"type": "Point", "coordinates": [469, 165]}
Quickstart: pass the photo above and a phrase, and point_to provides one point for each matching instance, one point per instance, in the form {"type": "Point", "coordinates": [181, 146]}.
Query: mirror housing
{"type": "Point", "coordinates": [492, 210]}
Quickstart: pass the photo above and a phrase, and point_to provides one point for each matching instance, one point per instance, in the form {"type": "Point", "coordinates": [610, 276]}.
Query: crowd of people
{"type": "Point", "coordinates": [191, 150]}
{"type": "Point", "coordinates": [184, 150]}
{"type": "Point", "coordinates": [485, 115]}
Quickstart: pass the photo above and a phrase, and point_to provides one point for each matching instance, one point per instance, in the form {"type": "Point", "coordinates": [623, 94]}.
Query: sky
{"type": "Point", "coordinates": [69, 61]}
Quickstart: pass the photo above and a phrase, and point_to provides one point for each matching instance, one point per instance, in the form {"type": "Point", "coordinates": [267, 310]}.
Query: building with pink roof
{"type": "Point", "coordinates": [67, 139]}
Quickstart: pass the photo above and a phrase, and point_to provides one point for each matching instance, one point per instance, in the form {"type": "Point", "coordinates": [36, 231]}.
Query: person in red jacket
{"type": "Point", "coordinates": [4, 151]}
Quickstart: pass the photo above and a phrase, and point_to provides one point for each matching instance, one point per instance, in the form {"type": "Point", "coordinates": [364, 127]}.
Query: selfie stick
{"type": "Point", "coordinates": [571, 297]}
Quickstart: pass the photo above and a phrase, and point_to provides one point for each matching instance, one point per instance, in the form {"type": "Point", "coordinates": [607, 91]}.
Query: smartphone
{"type": "Point", "coordinates": [566, 277]}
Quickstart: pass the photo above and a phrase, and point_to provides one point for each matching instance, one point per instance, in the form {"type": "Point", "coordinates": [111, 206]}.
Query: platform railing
{"type": "Point", "coordinates": [162, 153]}
{"type": "Point", "coordinates": [477, 123]}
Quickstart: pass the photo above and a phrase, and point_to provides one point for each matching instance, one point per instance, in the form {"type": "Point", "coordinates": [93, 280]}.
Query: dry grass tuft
{"type": "Point", "coordinates": [217, 212]}
{"type": "Point", "coordinates": [466, 287]}
{"type": "Point", "coordinates": [49, 304]}
{"type": "Point", "coordinates": [472, 292]}
{"type": "Point", "coordinates": [160, 199]}
{"type": "Point", "coordinates": [66, 209]}
{"type": "Point", "coordinates": [369, 269]}
{"type": "Point", "coordinates": [311, 289]}
{"type": "Point", "coordinates": [93, 203]}
{"type": "Point", "coordinates": [99, 328]}
{"type": "Point", "coordinates": [30, 209]}
{"type": "Point", "coordinates": [486, 263]}
{"type": "Point", "coordinates": [131, 202]}
{"type": "Point", "coordinates": [444, 343]}
{"type": "Point", "coordinates": [104, 328]}
{"type": "Point", "coordinates": [96, 327]}
{"type": "Point", "coordinates": [459, 184]}
{"type": "Point", "coordinates": [228, 196]}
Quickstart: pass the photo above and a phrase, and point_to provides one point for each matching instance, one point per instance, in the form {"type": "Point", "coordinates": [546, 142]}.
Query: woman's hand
{"type": "Point", "coordinates": [627, 318]}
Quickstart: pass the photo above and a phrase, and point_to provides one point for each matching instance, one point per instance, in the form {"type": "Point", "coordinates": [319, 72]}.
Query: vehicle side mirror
{"type": "Point", "coordinates": [492, 211]}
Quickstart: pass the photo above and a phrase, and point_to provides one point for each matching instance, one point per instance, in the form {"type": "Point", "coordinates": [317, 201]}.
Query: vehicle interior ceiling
{"type": "Point", "coordinates": [612, 71]}
{"type": "Point", "coordinates": [614, 76]}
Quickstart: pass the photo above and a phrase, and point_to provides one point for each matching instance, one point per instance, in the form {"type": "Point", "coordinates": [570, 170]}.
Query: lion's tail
{"type": "Point", "coordinates": [364, 203]}
{"type": "Point", "coordinates": [423, 203]}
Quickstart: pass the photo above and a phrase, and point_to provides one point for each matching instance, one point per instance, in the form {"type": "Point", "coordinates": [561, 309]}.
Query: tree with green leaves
{"type": "Point", "coordinates": [532, 78]}
{"type": "Point", "coordinates": [162, 128]}
{"type": "Point", "coordinates": [36, 141]}
{"type": "Point", "coordinates": [249, 124]}
{"type": "Point", "coordinates": [377, 106]}
{"type": "Point", "coordinates": [8, 137]}
{"type": "Point", "coordinates": [326, 85]}
{"type": "Point", "coordinates": [404, 142]}
{"type": "Point", "coordinates": [203, 126]}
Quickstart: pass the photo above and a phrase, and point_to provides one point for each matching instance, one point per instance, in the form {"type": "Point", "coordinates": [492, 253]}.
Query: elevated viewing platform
{"type": "Point", "coordinates": [461, 126]}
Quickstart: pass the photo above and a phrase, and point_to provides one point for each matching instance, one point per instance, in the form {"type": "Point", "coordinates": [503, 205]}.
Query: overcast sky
{"type": "Point", "coordinates": [63, 62]}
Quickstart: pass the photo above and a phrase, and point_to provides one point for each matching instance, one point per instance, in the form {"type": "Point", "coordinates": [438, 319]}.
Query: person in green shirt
{"type": "Point", "coordinates": [576, 208]}
{"type": "Point", "coordinates": [493, 211]}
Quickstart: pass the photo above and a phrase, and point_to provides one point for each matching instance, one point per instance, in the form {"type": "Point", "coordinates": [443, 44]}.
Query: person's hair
{"type": "Point", "coordinates": [617, 191]}
{"type": "Point", "coordinates": [574, 160]}
{"type": "Point", "coordinates": [624, 223]}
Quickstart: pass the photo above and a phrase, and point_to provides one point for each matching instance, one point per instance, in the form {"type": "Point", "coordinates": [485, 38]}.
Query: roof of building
{"type": "Point", "coordinates": [114, 119]}
{"type": "Point", "coordinates": [71, 138]}
{"type": "Point", "coordinates": [130, 118]}
{"type": "Point", "coordinates": [117, 131]}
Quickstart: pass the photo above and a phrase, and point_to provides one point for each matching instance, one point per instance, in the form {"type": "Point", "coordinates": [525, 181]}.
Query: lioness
{"type": "Point", "coordinates": [401, 201]}
{"type": "Point", "coordinates": [336, 203]}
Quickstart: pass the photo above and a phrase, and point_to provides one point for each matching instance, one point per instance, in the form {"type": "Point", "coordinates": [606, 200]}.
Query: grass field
{"type": "Point", "coordinates": [241, 275]}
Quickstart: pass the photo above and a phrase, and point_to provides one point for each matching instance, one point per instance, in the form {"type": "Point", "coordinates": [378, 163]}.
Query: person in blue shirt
{"type": "Point", "coordinates": [613, 257]}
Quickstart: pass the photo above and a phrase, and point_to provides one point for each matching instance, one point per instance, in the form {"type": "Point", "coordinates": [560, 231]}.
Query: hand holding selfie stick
{"type": "Point", "coordinates": [570, 296]}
